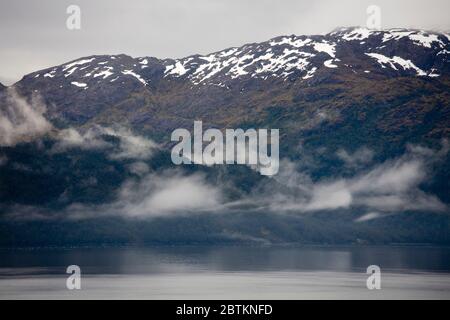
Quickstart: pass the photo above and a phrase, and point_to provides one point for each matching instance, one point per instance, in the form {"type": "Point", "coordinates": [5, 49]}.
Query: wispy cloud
{"type": "Point", "coordinates": [360, 157]}
{"type": "Point", "coordinates": [157, 194]}
{"type": "Point", "coordinates": [389, 187]}
{"type": "Point", "coordinates": [21, 121]}
{"type": "Point", "coordinates": [131, 146]}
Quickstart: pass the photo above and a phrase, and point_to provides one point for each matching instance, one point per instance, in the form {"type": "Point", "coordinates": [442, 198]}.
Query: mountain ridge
{"type": "Point", "coordinates": [259, 74]}
{"type": "Point", "coordinates": [418, 37]}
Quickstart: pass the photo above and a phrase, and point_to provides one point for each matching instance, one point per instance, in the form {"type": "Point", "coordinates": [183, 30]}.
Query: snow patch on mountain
{"type": "Point", "coordinates": [79, 84]}
{"type": "Point", "coordinates": [310, 73]}
{"type": "Point", "coordinates": [396, 61]}
{"type": "Point", "coordinates": [329, 64]}
{"type": "Point", "coordinates": [70, 72]}
{"type": "Point", "coordinates": [296, 43]}
{"type": "Point", "coordinates": [104, 73]}
{"type": "Point", "coordinates": [137, 76]}
{"type": "Point", "coordinates": [326, 47]}
{"type": "Point", "coordinates": [50, 74]}
{"type": "Point", "coordinates": [357, 34]}
{"type": "Point", "coordinates": [78, 62]}
{"type": "Point", "coordinates": [396, 35]}
{"type": "Point", "coordinates": [425, 40]}
{"type": "Point", "coordinates": [177, 69]}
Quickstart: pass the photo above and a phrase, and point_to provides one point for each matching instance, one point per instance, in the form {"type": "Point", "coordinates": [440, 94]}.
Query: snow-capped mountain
{"type": "Point", "coordinates": [300, 57]}
{"type": "Point", "coordinates": [155, 94]}
{"type": "Point", "coordinates": [396, 52]}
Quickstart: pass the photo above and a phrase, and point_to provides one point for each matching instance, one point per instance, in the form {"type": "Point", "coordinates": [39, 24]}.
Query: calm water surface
{"type": "Point", "coordinates": [226, 273]}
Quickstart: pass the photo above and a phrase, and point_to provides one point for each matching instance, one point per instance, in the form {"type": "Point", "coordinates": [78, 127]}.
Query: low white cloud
{"type": "Point", "coordinates": [21, 121]}
{"type": "Point", "coordinates": [368, 216]}
{"type": "Point", "coordinates": [139, 168]}
{"type": "Point", "coordinates": [131, 146]}
{"type": "Point", "coordinates": [396, 176]}
{"type": "Point", "coordinates": [360, 157]}
{"type": "Point", "coordinates": [168, 193]}
{"type": "Point", "coordinates": [329, 196]}
{"type": "Point", "coordinates": [162, 194]}
{"type": "Point", "coordinates": [389, 187]}
{"type": "Point", "coordinates": [71, 138]}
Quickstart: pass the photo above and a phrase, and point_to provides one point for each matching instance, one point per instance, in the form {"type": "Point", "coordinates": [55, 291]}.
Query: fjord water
{"type": "Point", "coordinates": [193, 272]}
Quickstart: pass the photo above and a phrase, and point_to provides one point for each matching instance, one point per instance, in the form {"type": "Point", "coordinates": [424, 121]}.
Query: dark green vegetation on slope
{"type": "Point", "coordinates": [344, 108]}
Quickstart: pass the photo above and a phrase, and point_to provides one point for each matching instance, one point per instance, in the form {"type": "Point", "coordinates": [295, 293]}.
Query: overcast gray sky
{"type": "Point", "coordinates": [33, 34]}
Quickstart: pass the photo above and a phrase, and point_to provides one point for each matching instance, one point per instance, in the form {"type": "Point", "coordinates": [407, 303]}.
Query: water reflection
{"type": "Point", "coordinates": [151, 260]}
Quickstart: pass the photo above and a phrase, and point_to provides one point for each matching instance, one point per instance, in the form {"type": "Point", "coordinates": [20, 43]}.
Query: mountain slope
{"type": "Point", "coordinates": [363, 116]}
{"type": "Point", "coordinates": [237, 84]}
